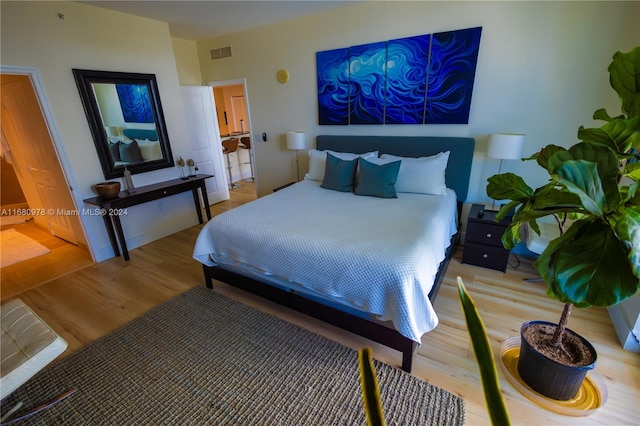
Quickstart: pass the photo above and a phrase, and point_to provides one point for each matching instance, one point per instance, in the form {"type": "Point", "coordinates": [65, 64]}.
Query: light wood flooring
{"type": "Point", "coordinates": [63, 259]}
{"type": "Point", "coordinates": [93, 301]}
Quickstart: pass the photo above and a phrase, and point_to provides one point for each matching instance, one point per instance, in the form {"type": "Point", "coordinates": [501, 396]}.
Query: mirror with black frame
{"type": "Point", "coordinates": [126, 121]}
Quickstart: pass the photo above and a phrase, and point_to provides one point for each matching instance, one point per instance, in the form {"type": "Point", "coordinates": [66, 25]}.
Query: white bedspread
{"type": "Point", "coordinates": [372, 254]}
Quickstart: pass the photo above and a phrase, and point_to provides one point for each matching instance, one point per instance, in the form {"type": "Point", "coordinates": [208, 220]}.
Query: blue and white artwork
{"type": "Point", "coordinates": [367, 65]}
{"type": "Point", "coordinates": [333, 86]}
{"type": "Point", "coordinates": [135, 103]}
{"type": "Point", "coordinates": [452, 70]}
{"type": "Point", "coordinates": [424, 79]}
{"type": "Point", "coordinates": [406, 65]}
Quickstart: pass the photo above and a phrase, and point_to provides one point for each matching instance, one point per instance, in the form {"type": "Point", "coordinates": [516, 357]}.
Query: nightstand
{"type": "Point", "coordinates": [482, 245]}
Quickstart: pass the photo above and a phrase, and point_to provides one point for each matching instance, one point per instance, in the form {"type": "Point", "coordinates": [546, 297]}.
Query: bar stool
{"type": "Point", "coordinates": [229, 147]}
{"type": "Point", "coordinates": [246, 144]}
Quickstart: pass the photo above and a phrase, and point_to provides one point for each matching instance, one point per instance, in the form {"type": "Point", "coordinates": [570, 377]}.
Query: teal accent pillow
{"type": "Point", "coordinates": [339, 175]}
{"type": "Point", "coordinates": [378, 180]}
{"type": "Point", "coordinates": [130, 152]}
{"type": "Point", "coordinates": [115, 150]}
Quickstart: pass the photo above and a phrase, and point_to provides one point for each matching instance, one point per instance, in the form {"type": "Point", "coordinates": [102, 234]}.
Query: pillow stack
{"type": "Point", "coordinates": [384, 177]}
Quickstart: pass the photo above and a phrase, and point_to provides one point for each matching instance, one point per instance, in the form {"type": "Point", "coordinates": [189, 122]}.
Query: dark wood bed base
{"type": "Point", "coordinates": [360, 326]}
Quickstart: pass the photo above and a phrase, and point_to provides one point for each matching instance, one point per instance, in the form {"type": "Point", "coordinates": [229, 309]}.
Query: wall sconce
{"type": "Point", "coordinates": [296, 141]}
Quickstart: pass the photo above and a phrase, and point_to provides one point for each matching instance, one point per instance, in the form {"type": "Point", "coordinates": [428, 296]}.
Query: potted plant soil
{"type": "Point", "coordinates": [594, 196]}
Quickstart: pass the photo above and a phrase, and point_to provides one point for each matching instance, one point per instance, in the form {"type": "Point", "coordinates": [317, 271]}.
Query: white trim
{"type": "Point", "coordinates": [67, 170]}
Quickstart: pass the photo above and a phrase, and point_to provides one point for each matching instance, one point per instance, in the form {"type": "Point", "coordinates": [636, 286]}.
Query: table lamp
{"type": "Point", "coordinates": [296, 141]}
{"type": "Point", "coordinates": [505, 146]}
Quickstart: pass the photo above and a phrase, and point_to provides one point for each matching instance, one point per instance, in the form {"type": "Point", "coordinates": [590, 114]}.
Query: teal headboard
{"type": "Point", "coordinates": [460, 158]}
{"type": "Point", "coordinates": [152, 135]}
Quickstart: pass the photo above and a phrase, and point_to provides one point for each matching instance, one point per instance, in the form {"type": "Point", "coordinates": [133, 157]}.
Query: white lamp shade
{"type": "Point", "coordinates": [505, 146]}
{"type": "Point", "coordinates": [296, 140]}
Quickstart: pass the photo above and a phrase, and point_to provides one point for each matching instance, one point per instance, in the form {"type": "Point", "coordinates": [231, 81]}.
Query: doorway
{"type": "Point", "coordinates": [46, 212]}
{"type": "Point", "coordinates": [234, 127]}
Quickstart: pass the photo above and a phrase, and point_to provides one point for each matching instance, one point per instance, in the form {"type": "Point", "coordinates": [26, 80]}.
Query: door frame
{"type": "Point", "coordinates": [252, 151]}
{"type": "Point", "coordinates": [47, 115]}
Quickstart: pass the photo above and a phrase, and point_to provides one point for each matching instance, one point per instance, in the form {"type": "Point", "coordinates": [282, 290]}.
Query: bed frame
{"type": "Point", "coordinates": [457, 178]}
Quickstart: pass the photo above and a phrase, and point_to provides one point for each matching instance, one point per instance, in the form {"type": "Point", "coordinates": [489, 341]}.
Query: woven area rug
{"type": "Point", "coordinates": [16, 247]}
{"type": "Point", "coordinates": [202, 358]}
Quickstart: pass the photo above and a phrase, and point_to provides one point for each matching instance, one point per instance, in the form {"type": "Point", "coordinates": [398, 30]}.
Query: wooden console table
{"type": "Point", "coordinates": [111, 209]}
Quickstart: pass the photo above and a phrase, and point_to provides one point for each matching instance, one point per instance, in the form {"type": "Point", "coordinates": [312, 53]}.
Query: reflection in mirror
{"type": "Point", "coordinates": [126, 121]}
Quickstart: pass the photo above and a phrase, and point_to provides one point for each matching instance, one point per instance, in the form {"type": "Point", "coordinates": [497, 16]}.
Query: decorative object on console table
{"type": "Point", "coordinates": [192, 167]}
{"type": "Point", "coordinates": [108, 190]}
{"type": "Point", "coordinates": [296, 141]}
{"type": "Point", "coordinates": [505, 146]}
{"type": "Point", "coordinates": [483, 245]}
{"type": "Point", "coordinates": [181, 163]}
{"type": "Point", "coordinates": [113, 208]}
{"type": "Point", "coordinates": [128, 182]}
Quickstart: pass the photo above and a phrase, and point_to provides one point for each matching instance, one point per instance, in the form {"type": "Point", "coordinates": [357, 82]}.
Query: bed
{"type": "Point", "coordinates": [368, 264]}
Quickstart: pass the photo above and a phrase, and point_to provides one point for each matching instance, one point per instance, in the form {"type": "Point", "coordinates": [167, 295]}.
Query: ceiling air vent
{"type": "Point", "coordinates": [220, 52]}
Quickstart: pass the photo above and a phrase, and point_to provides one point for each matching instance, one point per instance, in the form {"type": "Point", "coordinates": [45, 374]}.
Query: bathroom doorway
{"type": "Point", "coordinates": [39, 194]}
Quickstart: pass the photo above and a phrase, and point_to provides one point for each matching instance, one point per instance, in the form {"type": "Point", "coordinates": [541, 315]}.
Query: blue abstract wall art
{"type": "Point", "coordinates": [425, 79]}
{"type": "Point", "coordinates": [367, 64]}
{"type": "Point", "coordinates": [135, 103]}
{"type": "Point", "coordinates": [407, 62]}
{"type": "Point", "coordinates": [452, 69]}
{"type": "Point", "coordinates": [333, 86]}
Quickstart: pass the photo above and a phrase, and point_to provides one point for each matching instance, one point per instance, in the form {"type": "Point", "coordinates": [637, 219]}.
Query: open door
{"type": "Point", "coordinates": [35, 159]}
{"type": "Point", "coordinates": [206, 148]}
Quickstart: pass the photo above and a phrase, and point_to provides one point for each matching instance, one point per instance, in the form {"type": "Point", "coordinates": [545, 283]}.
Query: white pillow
{"type": "Point", "coordinates": [150, 150]}
{"type": "Point", "coordinates": [123, 139]}
{"type": "Point", "coordinates": [317, 161]}
{"type": "Point", "coordinates": [424, 175]}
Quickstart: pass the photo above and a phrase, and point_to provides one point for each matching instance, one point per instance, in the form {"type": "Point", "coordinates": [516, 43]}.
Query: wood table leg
{"type": "Point", "coordinates": [196, 201]}
{"type": "Point", "coordinates": [120, 233]}
{"type": "Point", "coordinates": [205, 199]}
{"type": "Point", "coordinates": [112, 235]}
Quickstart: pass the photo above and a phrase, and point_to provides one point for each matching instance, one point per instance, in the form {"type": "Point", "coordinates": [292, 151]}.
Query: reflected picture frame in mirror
{"type": "Point", "coordinates": [126, 121]}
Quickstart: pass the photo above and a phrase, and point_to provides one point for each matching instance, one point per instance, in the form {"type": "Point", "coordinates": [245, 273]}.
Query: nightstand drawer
{"type": "Point", "coordinates": [485, 233]}
{"type": "Point", "coordinates": [485, 256]}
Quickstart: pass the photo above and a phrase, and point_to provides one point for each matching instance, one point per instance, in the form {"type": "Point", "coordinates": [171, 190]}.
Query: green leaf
{"type": "Point", "coordinates": [620, 135]}
{"type": "Point", "coordinates": [511, 236]}
{"type": "Point", "coordinates": [581, 178]}
{"type": "Point", "coordinates": [602, 114]}
{"type": "Point", "coordinates": [508, 186]}
{"type": "Point", "coordinates": [486, 364]}
{"type": "Point", "coordinates": [591, 172]}
{"type": "Point", "coordinates": [624, 76]}
{"type": "Point", "coordinates": [588, 266]}
{"type": "Point", "coordinates": [506, 209]}
{"type": "Point", "coordinates": [632, 170]}
{"type": "Point", "coordinates": [627, 227]}
{"type": "Point", "coordinates": [545, 155]}
{"type": "Point", "coordinates": [370, 389]}
{"type": "Point", "coordinates": [553, 198]}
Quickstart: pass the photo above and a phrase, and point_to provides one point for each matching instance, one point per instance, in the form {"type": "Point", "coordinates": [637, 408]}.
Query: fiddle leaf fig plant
{"type": "Point", "coordinates": [593, 193]}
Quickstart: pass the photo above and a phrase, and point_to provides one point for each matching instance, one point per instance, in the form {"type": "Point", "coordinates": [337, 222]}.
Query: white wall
{"type": "Point", "coordinates": [542, 71]}
{"type": "Point", "coordinates": [32, 35]}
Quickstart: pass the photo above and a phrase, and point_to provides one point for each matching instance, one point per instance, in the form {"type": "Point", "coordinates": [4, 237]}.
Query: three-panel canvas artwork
{"type": "Point", "coordinates": [426, 79]}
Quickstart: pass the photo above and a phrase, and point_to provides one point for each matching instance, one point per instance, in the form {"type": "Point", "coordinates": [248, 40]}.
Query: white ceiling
{"type": "Point", "coordinates": [197, 20]}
